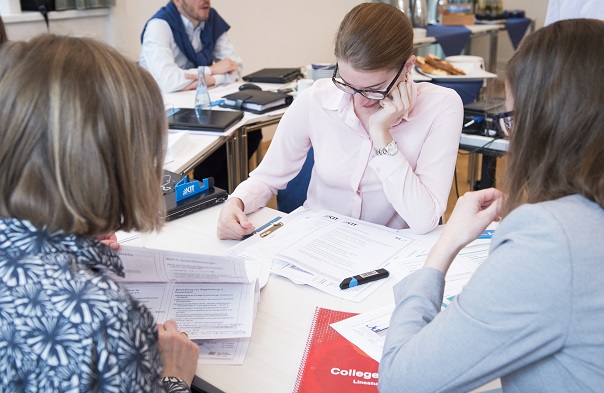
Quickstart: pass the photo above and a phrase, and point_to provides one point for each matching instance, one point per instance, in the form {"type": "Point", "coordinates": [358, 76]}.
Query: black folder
{"type": "Point", "coordinates": [208, 120]}
{"type": "Point", "coordinates": [257, 101]}
{"type": "Point", "coordinates": [274, 75]}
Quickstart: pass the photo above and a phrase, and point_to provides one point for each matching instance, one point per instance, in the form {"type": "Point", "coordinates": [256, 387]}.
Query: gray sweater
{"type": "Point", "coordinates": [532, 314]}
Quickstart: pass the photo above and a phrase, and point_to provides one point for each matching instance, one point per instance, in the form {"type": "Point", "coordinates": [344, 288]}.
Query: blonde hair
{"type": "Point", "coordinates": [557, 144]}
{"type": "Point", "coordinates": [83, 132]}
{"type": "Point", "coordinates": [374, 36]}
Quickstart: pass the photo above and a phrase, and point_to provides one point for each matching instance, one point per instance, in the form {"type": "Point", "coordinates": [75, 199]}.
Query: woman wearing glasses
{"type": "Point", "coordinates": [384, 147]}
{"type": "Point", "coordinates": [532, 314]}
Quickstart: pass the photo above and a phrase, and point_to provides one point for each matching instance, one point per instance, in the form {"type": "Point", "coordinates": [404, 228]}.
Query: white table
{"type": "Point", "coordinates": [284, 313]}
{"type": "Point", "coordinates": [235, 137]}
{"type": "Point", "coordinates": [198, 148]}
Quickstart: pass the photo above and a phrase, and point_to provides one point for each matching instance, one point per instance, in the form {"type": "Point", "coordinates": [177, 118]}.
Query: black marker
{"type": "Point", "coordinates": [364, 278]}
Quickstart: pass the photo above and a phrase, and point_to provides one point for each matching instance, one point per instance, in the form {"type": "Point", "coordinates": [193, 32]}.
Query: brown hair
{"type": "Point", "coordinates": [557, 144]}
{"type": "Point", "coordinates": [374, 36]}
{"type": "Point", "coordinates": [83, 133]}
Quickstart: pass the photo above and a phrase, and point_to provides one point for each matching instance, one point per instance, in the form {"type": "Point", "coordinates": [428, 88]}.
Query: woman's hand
{"type": "Point", "coordinates": [178, 354]}
{"type": "Point", "coordinates": [232, 222]}
{"type": "Point", "coordinates": [395, 106]}
{"type": "Point", "coordinates": [110, 240]}
{"type": "Point", "coordinates": [472, 214]}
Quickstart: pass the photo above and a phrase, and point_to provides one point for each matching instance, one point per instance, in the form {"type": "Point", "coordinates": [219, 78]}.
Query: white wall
{"type": "Point", "coordinates": [535, 9]}
{"type": "Point", "coordinates": [276, 33]}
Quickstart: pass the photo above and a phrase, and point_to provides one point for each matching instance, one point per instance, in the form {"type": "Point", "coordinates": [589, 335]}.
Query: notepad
{"type": "Point", "coordinates": [331, 363]}
{"type": "Point", "coordinates": [203, 120]}
{"type": "Point", "coordinates": [257, 101]}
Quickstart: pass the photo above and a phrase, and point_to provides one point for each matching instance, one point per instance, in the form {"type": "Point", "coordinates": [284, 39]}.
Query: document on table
{"type": "Point", "coordinates": [222, 351]}
{"type": "Point", "coordinates": [210, 297]}
{"type": "Point", "coordinates": [322, 248]}
{"type": "Point", "coordinates": [368, 330]}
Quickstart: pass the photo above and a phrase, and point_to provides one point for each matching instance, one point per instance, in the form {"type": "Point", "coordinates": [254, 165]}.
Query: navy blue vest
{"type": "Point", "coordinates": [214, 27]}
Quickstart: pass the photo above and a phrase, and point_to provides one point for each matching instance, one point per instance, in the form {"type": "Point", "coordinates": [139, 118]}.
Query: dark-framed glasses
{"type": "Point", "coordinates": [506, 122]}
{"type": "Point", "coordinates": [371, 94]}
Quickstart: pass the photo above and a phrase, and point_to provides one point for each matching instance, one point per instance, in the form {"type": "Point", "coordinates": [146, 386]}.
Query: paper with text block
{"type": "Point", "coordinates": [210, 297]}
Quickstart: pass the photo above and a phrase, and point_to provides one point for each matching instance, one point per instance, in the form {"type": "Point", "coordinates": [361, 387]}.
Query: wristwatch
{"type": "Point", "coordinates": [390, 149]}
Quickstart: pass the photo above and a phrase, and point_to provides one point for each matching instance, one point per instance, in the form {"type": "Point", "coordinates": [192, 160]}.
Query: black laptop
{"type": "Point", "coordinates": [274, 75]}
{"type": "Point", "coordinates": [208, 198]}
{"type": "Point", "coordinates": [204, 120]}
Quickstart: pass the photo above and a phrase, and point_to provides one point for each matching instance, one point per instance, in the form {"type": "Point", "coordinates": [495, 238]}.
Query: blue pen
{"type": "Point", "coordinates": [216, 103]}
{"type": "Point", "coordinates": [263, 227]}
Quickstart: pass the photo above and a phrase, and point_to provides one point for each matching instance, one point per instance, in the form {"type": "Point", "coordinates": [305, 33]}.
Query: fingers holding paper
{"type": "Point", "coordinates": [179, 354]}
{"type": "Point", "coordinates": [110, 240]}
{"type": "Point", "coordinates": [233, 222]}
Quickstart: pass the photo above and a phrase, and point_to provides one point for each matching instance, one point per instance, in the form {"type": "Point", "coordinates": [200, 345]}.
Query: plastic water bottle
{"type": "Point", "coordinates": [202, 97]}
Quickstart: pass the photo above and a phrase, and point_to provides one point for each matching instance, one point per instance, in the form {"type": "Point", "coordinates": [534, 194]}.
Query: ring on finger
{"type": "Point", "coordinates": [183, 332]}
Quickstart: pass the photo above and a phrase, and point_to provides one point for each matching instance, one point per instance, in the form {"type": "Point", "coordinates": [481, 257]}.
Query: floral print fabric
{"type": "Point", "coordinates": [65, 324]}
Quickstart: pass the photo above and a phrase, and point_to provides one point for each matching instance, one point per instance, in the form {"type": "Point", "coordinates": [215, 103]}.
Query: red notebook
{"type": "Point", "coordinates": [331, 363]}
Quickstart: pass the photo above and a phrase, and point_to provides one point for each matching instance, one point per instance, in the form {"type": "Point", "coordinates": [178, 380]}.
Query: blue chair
{"type": "Point", "coordinates": [467, 90]}
{"type": "Point", "coordinates": [294, 195]}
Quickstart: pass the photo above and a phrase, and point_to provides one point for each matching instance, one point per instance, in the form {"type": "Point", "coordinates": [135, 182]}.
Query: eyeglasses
{"type": "Point", "coordinates": [371, 94]}
{"type": "Point", "coordinates": [506, 122]}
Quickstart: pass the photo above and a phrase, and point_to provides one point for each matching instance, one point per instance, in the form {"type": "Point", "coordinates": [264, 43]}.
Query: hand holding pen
{"type": "Point", "coordinates": [233, 222]}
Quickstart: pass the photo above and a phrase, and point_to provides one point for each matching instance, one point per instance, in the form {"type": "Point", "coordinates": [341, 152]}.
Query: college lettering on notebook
{"type": "Point", "coordinates": [331, 363]}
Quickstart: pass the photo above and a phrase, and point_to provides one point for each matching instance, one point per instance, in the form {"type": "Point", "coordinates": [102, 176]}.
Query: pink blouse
{"type": "Point", "coordinates": [409, 189]}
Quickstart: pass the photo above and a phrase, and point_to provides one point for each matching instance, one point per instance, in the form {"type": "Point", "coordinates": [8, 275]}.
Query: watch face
{"type": "Point", "coordinates": [392, 148]}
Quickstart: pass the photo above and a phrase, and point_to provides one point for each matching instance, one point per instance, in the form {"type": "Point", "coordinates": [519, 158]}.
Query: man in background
{"type": "Point", "coordinates": [180, 37]}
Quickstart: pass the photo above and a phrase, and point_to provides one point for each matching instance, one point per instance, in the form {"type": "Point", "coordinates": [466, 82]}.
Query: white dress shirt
{"type": "Point", "coordinates": [409, 189]}
{"type": "Point", "coordinates": [168, 64]}
{"type": "Point", "coordinates": [564, 9]}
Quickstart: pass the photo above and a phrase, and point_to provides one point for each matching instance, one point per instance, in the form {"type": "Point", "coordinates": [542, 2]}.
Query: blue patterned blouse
{"type": "Point", "coordinates": [65, 325]}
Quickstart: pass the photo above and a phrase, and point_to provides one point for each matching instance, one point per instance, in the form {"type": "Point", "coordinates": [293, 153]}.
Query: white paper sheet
{"type": "Point", "coordinates": [208, 296]}
{"type": "Point", "coordinates": [368, 330]}
{"type": "Point", "coordinates": [300, 252]}
{"type": "Point", "coordinates": [224, 351]}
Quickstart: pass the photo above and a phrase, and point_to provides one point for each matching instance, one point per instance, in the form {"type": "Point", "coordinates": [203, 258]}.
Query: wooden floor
{"type": "Point", "coordinates": [463, 185]}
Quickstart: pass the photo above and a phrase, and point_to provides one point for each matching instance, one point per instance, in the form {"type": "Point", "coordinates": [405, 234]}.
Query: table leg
{"type": "Point", "coordinates": [493, 52]}
{"type": "Point", "coordinates": [232, 161]}
{"type": "Point", "coordinates": [487, 174]}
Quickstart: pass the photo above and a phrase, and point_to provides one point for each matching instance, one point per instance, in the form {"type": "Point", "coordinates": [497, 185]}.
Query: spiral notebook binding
{"type": "Point", "coordinates": [309, 340]}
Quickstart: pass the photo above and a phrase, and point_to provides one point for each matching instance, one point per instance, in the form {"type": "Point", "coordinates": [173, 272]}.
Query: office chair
{"type": "Point", "coordinates": [294, 195]}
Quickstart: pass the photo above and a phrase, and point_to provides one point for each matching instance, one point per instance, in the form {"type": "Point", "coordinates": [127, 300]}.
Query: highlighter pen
{"type": "Point", "coordinates": [364, 278]}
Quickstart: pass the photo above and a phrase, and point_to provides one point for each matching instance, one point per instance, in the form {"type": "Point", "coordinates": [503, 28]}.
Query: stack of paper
{"type": "Point", "coordinates": [177, 143]}
{"type": "Point", "coordinates": [321, 249]}
{"type": "Point", "coordinates": [212, 298]}
{"type": "Point", "coordinates": [368, 330]}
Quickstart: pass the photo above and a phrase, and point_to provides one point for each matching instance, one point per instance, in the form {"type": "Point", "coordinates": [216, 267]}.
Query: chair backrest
{"type": "Point", "coordinates": [294, 195]}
